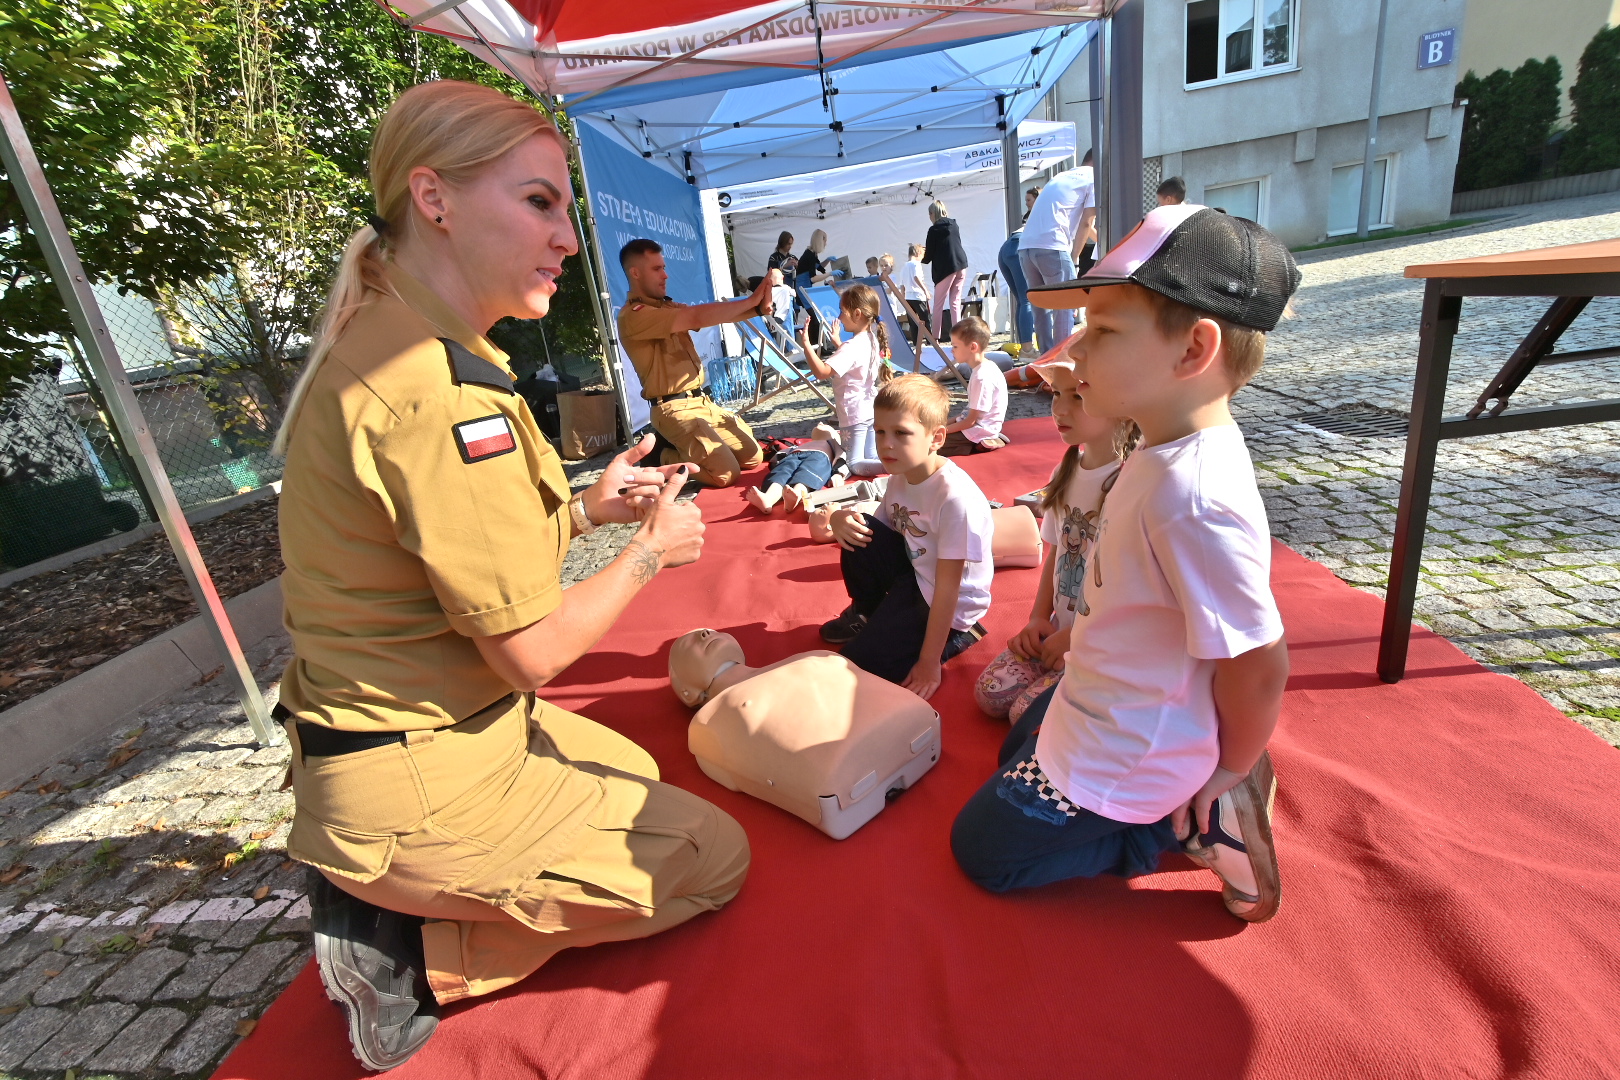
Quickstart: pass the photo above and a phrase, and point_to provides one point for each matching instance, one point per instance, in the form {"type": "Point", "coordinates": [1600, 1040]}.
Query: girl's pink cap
{"type": "Point", "coordinates": [1056, 358]}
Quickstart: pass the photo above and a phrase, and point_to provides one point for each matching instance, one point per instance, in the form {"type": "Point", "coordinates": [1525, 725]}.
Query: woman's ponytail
{"type": "Point", "coordinates": [359, 271]}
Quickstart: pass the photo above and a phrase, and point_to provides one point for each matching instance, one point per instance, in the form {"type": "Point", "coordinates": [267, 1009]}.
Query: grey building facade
{"type": "Point", "coordinates": [1261, 107]}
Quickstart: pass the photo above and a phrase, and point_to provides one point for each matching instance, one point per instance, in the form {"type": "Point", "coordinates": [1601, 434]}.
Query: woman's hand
{"type": "Point", "coordinates": [627, 490]}
{"type": "Point", "coordinates": [1027, 642]}
{"type": "Point", "coordinates": [670, 535]}
{"type": "Point", "coordinates": [850, 530]}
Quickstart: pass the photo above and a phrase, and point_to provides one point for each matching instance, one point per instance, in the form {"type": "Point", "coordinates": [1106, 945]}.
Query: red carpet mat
{"type": "Point", "coordinates": [1449, 890]}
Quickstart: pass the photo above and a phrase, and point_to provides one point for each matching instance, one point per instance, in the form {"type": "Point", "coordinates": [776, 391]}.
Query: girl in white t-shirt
{"type": "Point", "coordinates": [1072, 502]}
{"type": "Point", "coordinates": [856, 370]}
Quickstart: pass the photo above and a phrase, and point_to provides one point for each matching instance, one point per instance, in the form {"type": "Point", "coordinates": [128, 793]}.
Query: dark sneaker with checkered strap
{"type": "Point", "coordinates": [371, 963]}
{"type": "Point", "coordinates": [844, 629]}
{"type": "Point", "coordinates": [1239, 848]}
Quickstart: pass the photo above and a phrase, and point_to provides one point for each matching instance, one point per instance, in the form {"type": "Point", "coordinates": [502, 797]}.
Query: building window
{"type": "Point", "coordinates": [1222, 41]}
{"type": "Point", "coordinates": [1240, 200]}
{"type": "Point", "coordinates": [1344, 198]}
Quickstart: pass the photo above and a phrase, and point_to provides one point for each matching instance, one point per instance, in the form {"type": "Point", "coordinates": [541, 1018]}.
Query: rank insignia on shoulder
{"type": "Point", "coordinates": [486, 437]}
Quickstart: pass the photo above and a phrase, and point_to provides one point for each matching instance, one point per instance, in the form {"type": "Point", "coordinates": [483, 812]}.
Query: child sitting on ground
{"type": "Point", "coordinates": [1033, 659]}
{"type": "Point", "coordinates": [799, 470]}
{"type": "Point", "coordinates": [1176, 661]}
{"type": "Point", "coordinates": [856, 370]}
{"type": "Point", "coordinates": [918, 570]}
{"type": "Point", "coordinates": [979, 429]}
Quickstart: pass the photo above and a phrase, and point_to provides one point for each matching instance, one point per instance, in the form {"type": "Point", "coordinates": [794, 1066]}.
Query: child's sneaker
{"type": "Point", "coordinates": [844, 629]}
{"type": "Point", "coordinates": [1238, 845]}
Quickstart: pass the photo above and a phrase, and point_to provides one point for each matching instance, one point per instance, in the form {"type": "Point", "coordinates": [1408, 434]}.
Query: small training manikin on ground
{"type": "Point", "coordinates": [812, 734]}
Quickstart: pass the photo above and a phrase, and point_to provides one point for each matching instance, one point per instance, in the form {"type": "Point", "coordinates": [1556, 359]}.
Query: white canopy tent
{"type": "Point", "coordinates": [722, 95]}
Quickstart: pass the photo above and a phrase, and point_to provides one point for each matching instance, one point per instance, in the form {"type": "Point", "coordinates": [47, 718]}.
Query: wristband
{"type": "Point", "coordinates": [583, 525]}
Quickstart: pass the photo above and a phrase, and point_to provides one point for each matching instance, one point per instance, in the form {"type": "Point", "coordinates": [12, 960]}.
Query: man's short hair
{"type": "Point", "coordinates": [972, 328]}
{"type": "Point", "coordinates": [1175, 187]}
{"type": "Point", "coordinates": [917, 396]}
{"type": "Point", "coordinates": [1243, 349]}
{"type": "Point", "coordinates": [1087, 159]}
{"type": "Point", "coordinates": [637, 248]}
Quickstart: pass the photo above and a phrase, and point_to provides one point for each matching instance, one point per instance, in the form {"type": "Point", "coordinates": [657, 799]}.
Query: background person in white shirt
{"type": "Point", "coordinates": [977, 431]}
{"type": "Point", "coordinates": [1057, 228]}
{"type": "Point", "coordinates": [918, 570]}
{"type": "Point", "coordinates": [916, 289]}
{"type": "Point", "coordinates": [1177, 662]}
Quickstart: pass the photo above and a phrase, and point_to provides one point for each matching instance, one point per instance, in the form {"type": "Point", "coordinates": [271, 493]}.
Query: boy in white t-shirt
{"type": "Point", "coordinates": [977, 431]}
{"type": "Point", "coordinates": [1176, 662]}
{"type": "Point", "coordinates": [918, 570]}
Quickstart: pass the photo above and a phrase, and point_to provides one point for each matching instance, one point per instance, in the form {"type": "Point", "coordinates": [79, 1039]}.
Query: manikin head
{"type": "Point", "coordinates": [696, 659]}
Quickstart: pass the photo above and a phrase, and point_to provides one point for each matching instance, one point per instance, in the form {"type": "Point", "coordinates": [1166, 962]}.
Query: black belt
{"type": "Point", "coordinates": [701, 392]}
{"type": "Point", "coordinates": [318, 740]}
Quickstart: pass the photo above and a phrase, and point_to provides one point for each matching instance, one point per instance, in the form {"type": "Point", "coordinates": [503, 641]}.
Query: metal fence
{"type": "Point", "coordinates": [65, 478]}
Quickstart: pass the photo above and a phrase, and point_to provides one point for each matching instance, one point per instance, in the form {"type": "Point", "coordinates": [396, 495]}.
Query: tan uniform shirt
{"type": "Point", "coordinates": [420, 506]}
{"type": "Point", "coordinates": [665, 358]}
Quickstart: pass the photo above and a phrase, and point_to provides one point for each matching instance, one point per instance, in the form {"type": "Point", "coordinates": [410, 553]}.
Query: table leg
{"type": "Point", "coordinates": [1440, 317]}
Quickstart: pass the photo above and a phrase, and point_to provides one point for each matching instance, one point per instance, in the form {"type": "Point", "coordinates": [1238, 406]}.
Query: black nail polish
{"type": "Point", "coordinates": [623, 490]}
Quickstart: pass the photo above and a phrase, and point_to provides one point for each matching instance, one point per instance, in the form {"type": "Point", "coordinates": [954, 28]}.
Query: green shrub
{"type": "Point", "coordinates": [1593, 143]}
{"type": "Point", "coordinates": [1510, 117]}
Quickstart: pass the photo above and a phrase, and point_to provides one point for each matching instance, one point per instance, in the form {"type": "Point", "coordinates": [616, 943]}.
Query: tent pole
{"type": "Point", "coordinates": [596, 269]}
{"type": "Point", "coordinates": [1123, 163]}
{"type": "Point", "coordinates": [45, 219]}
{"type": "Point", "coordinates": [1101, 122]}
{"type": "Point", "coordinates": [1010, 181]}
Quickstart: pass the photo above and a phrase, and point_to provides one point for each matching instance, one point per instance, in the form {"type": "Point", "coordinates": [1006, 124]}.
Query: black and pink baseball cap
{"type": "Point", "coordinates": [1226, 266]}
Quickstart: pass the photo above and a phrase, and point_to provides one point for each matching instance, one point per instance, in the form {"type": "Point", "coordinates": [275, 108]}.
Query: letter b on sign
{"type": "Point", "coordinates": [1437, 48]}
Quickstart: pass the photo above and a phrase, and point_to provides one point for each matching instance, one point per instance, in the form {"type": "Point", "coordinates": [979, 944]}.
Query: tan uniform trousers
{"type": "Point", "coordinates": [521, 831]}
{"type": "Point", "coordinates": [697, 427]}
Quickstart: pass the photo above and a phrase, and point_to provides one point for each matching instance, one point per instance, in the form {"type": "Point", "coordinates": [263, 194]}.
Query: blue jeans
{"type": "Point", "coordinates": [811, 468]}
{"type": "Point", "coordinates": [1043, 266]}
{"type": "Point", "coordinates": [860, 448]}
{"type": "Point", "coordinates": [1012, 271]}
{"type": "Point", "coordinates": [1007, 837]}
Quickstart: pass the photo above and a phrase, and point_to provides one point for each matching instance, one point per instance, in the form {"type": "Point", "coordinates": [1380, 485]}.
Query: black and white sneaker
{"type": "Point", "coordinates": [844, 629]}
{"type": "Point", "coordinates": [371, 963]}
{"type": "Point", "coordinates": [1239, 845]}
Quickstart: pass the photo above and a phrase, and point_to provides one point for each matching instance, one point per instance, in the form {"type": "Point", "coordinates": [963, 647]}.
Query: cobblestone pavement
{"type": "Point", "coordinates": [148, 914]}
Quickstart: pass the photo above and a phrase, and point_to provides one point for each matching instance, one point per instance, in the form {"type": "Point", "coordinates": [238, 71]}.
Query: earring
{"type": "Point", "coordinates": [438, 220]}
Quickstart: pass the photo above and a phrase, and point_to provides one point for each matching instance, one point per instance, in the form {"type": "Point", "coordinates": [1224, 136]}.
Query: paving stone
{"type": "Point", "coordinates": [203, 1040]}
{"type": "Point", "coordinates": [144, 973]}
{"type": "Point", "coordinates": [22, 949]}
{"type": "Point", "coordinates": [32, 977]}
{"type": "Point", "coordinates": [199, 974]}
{"type": "Point", "coordinates": [134, 1048]}
{"type": "Point", "coordinates": [27, 1033]}
{"type": "Point", "coordinates": [89, 1030]}
{"type": "Point", "coordinates": [253, 969]}
{"type": "Point", "coordinates": [73, 982]}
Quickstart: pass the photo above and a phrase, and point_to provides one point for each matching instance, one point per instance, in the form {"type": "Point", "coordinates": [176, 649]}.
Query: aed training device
{"type": "Point", "coordinates": [819, 738]}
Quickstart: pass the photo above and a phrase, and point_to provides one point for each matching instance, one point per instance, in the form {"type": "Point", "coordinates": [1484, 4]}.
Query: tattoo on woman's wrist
{"type": "Point", "coordinates": [644, 561]}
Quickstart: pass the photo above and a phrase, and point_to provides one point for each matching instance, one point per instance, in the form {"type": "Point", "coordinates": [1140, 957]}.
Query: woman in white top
{"type": "Point", "coordinates": [856, 370]}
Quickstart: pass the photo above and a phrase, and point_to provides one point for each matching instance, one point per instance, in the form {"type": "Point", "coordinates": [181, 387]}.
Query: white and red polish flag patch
{"type": "Point", "coordinates": [486, 437]}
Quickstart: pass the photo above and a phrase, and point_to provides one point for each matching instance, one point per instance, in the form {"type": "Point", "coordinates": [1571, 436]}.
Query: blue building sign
{"type": "Point", "coordinates": [1437, 48]}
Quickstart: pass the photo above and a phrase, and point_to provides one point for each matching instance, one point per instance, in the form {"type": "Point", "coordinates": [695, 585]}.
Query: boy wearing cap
{"type": "Point", "coordinates": [1175, 671]}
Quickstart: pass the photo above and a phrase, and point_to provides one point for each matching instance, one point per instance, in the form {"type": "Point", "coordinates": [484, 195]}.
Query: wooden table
{"type": "Point", "coordinates": [1572, 276]}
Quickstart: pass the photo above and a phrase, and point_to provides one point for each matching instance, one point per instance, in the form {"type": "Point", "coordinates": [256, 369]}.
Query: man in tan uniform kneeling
{"type": "Point", "coordinates": [655, 332]}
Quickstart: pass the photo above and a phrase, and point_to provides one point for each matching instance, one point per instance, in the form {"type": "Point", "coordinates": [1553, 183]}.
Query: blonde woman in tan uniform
{"type": "Point", "coordinates": [465, 830]}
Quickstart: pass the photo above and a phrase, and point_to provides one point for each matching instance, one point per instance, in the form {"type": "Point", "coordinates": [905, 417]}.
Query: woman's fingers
{"type": "Point", "coordinates": [635, 452]}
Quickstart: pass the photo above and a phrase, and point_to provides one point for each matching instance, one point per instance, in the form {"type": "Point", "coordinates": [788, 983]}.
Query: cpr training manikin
{"type": "Point", "coordinates": [812, 734]}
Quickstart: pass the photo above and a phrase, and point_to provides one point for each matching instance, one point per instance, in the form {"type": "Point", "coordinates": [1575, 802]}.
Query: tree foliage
{"type": "Point", "coordinates": [1593, 143]}
{"type": "Point", "coordinates": [1509, 120]}
{"type": "Point", "coordinates": [211, 155]}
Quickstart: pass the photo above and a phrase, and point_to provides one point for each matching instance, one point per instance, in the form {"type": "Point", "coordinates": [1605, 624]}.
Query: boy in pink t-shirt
{"type": "Point", "coordinates": [1155, 737]}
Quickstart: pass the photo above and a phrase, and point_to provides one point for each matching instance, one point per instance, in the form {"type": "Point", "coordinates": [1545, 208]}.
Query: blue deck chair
{"type": "Point", "coordinates": [769, 359]}
{"type": "Point", "coordinates": [931, 356]}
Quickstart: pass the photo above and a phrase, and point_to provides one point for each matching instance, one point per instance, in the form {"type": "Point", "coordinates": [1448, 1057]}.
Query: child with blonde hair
{"type": "Point", "coordinates": [856, 369]}
{"type": "Point", "coordinates": [1072, 506]}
